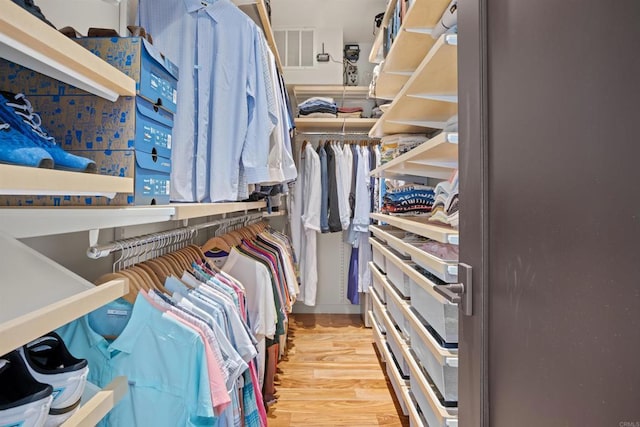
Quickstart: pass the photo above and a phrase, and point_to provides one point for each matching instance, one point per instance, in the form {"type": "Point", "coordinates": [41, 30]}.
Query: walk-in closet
{"type": "Point", "coordinates": [318, 213]}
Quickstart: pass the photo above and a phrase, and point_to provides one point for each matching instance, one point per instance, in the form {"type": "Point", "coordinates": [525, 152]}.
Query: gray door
{"type": "Point", "coordinates": [550, 212]}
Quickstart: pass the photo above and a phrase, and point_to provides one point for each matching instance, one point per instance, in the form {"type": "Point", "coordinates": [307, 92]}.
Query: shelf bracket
{"type": "Point", "coordinates": [94, 234]}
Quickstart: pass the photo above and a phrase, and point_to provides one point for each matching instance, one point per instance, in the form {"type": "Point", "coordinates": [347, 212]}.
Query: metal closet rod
{"type": "Point", "coordinates": [171, 237]}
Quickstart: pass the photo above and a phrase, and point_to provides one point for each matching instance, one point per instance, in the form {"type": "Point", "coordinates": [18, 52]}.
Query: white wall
{"type": "Point", "coordinates": [82, 14]}
{"type": "Point", "coordinates": [349, 21]}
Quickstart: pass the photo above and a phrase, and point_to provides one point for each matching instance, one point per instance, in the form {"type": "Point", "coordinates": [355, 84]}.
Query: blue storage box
{"type": "Point", "coordinates": [155, 75]}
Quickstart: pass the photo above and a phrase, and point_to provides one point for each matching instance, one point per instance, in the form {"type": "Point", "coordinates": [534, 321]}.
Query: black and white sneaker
{"type": "Point", "coordinates": [24, 402]}
{"type": "Point", "coordinates": [50, 362]}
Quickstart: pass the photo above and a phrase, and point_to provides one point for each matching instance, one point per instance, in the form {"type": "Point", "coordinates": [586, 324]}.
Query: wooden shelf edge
{"type": "Point", "coordinates": [19, 331]}
{"type": "Point", "coordinates": [377, 45]}
{"type": "Point", "coordinates": [23, 180]}
{"type": "Point", "coordinates": [33, 44]}
{"type": "Point", "coordinates": [442, 138]}
{"type": "Point", "coordinates": [440, 233]}
{"type": "Point", "coordinates": [104, 401]}
{"type": "Point", "coordinates": [331, 124]}
{"type": "Point", "coordinates": [199, 210]}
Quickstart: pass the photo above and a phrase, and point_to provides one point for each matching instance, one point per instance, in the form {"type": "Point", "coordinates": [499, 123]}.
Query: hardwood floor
{"type": "Point", "coordinates": [332, 377]}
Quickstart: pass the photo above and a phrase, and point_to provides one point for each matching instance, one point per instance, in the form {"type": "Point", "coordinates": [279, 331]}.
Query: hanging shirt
{"type": "Point", "coordinates": [311, 223]}
{"type": "Point", "coordinates": [341, 178]}
{"type": "Point", "coordinates": [295, 214]}
{"type": "Point", "coordinates": [363, 193]}
{"type": "Point", "coordinates": [347, 157]}
{"type": "Point", "coordinates": [334, 205]}
{"type": "Point", "coordinates": [225, 95]}
{"type": "Point", "coordinates": [149, 342]}
{"type": "Point", "coordinates": [324, 201]}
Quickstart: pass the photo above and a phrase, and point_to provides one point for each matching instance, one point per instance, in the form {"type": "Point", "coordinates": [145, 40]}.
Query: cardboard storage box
{"type": "Point", "coordinates": [150, 173]}
{"type": "Point", "coordinates": [156, 77]}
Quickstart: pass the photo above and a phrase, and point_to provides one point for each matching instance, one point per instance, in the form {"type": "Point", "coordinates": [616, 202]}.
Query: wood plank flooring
{"type": "Point", "coordinates": [332, 376]}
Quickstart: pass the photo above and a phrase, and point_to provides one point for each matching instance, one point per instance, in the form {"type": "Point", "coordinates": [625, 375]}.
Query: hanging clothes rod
{"type": "Point", "coordinates": [359, 134]}
{"type": "Point", "coordinates": [169, 238]}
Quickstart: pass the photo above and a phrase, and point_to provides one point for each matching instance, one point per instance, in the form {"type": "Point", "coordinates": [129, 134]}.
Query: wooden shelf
{"type": "Point", "coordinates": [27, 41]}
{"type": "Point", "coordinates": [302, 92]}
{"type": "Point", "coordinates": [257, 10]}
{"type": "Point", "coordinates": [421, 227]}
{"type": "Point", "coordinates": [333, 125]}
{"type": "Point", "coordinates": [426, 100]}
{"type": "Point", "coordinates": [375, 56]}
{"type": "Point", "coordinates": [435, 158]}
{"type": "Point", "coordinates": [99, 405]}
{"type": "Point", "coordinates": [22, 180]}
{"type": "Point", "coordinates": [199, 210]}
{"type": "Point", "coordinates": [24, 222]}
{"type": "Point", "coordinates": [410, 46]}
{"type": "Point", "coordinates": [39, 295]}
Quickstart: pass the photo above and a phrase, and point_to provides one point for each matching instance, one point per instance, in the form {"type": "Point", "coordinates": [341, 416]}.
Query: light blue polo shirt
{"type": "Point", "coordinates": [163, 360]}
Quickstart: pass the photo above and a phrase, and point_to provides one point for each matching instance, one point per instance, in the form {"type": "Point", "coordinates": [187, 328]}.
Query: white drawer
{"type": "Point", "coordinates": [378, 310]}
{"type": "Point", "coordinates": [398, 309]}
{"type": "Point", "coordinates": [391, 236]}
{"type": "Point", "coordinates": [394, 268]}
{"type": "Point", "coordinates": [436, 414]}
{"type": "Point", "coordinates": [378, 256]}
{"type": "Point", "coordinates": [378, 282]}
{"type": "Point", "coordinates": [397, 344]}
{"type": "Point", "coordinates": [440, 314]}
{"type": "Point", "coordinates": [446, 271]}
{"type": "Point", "coordinates": [378, 336]}
{"type": "Point", "coordinates": [440, 363]}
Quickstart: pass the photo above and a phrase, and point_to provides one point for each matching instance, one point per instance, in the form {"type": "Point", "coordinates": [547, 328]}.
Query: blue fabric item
{"type": "Point", "coordinates": [352, 280]}
{"type": "Point", "coordinates": [17, 149]}
{"type": "Point", "coordinates": [169, 389]}
{"type": "Point", "coordinates": [222, 106]}
{"type": "Point", "coordinates": [324, 203]}
{"type": "Point", "coordinates": [16, 110]}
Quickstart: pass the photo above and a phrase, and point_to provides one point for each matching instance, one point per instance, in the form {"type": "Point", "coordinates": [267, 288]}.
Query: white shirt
{"type": "Point", "coordinates": [343, 199]}
{"type": "Point", "coordinates": [347, 176]}
{"type": "Point", "coordinates": [311, 224]}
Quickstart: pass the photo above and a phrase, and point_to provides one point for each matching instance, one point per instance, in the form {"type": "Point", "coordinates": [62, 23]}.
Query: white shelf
{"type": "Point", "coordinates": [275, 214]}
{"type": "Point", "coordinates": [421, 227]}
{"type": "Point", "coordinates": [23, 180]}
{"type": "Point", "coordinates": [257, 10]}
{"type": "Point", "coordinates": [99, 405]}
{"type": "Point", "coordinates": [199, 210]}
{"type": "Point", "coordinates": [333, 125]}
{"type": "Point", "coordinates": [22, 222]}
{"type": "Point", "coordinates": [410, 46]}
{"type": "Point", "coordinates": [375, 56]}
{"type": "Point", "coordinates": [27, 41]}
{"type": "Point", "coordinates": [337, 92]}
{"type": "Point", "coordinates": [435, 158]}
{"type": "Point", "coordinates": [426, 100]}
{"type": "Point", "coordinates": [39, 295]}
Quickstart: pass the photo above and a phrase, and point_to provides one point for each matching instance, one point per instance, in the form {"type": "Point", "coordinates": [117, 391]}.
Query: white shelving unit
{"type": "Point", "coordinates": [429, 98]}
{"type": "Point", "coordinates": [421, 227]}
{"type": "Point", "coordinates": [35, 45]}
{"type": "Point", "coordinates": [436, 158]}
{"type": "Point", "coordinates": [90, 413]}
{"type": "Point", "coordinates": [410, 46]}
{"type": "Point", "coordinates": [420, 76]}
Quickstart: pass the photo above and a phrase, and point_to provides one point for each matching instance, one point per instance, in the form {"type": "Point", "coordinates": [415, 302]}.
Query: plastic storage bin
{"type": "Point", "coordinates": [445, 270]}
{"type": "Point", "coordinates": [377, 281]}
{"type": "Point", "coordinates": [378, 256]}
{"type": "Point", "coordinates": [397, 309]}
{"type": "Point", "coordinates": [397, 277]}
{"type": "Point", "coordinates": [392, 237]}
{"type": "Point", "coordinates": [435, 413]}
{"type": "Point", "coordinates": [439, 313]}
{"type": "Point", "coordinates": [378, 311]}
{"type": "Point", "coordinates": [440, 363]}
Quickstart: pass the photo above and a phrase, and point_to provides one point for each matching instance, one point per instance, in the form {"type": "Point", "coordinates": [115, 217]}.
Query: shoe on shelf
{"type": "Point", "coordinates": [17, 149]}
{"type": "Point", "coordinates": [49, 361]}
{"type": "Point", "coordinates": [16, 110]}
{"type": "Point", "coordinates": [23, 400]}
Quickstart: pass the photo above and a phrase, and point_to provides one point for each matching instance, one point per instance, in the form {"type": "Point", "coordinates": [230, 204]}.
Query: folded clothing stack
{"type": "Point", "coordinates": [410, 199]}
{"type": "Point", "coordinates": [350, 112]}
{"type": "Point", "coordinates": [318, 105]}
{"type": "Point", "coordinates": [395, 145]}
{"type": "Point", "coordinates": [445, 206]}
